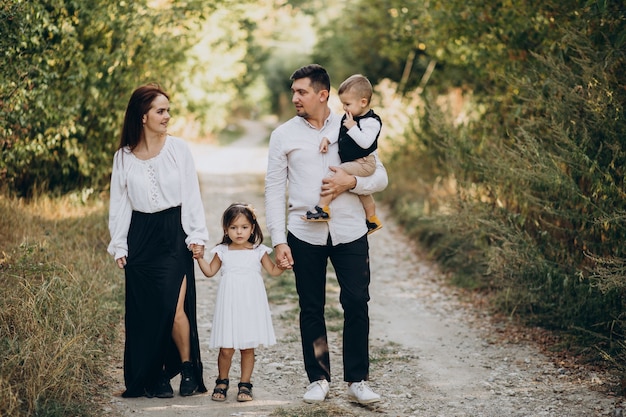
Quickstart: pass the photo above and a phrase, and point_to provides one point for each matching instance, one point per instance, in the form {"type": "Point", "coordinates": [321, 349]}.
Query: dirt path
{"type": "Point", "coordinates": [431, 354]}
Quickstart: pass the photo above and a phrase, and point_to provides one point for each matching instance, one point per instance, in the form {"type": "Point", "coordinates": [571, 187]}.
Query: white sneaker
{"type": "Point", "coordinates": [359, 392]}
{"type": "Point", "coordinates": [316, 392]}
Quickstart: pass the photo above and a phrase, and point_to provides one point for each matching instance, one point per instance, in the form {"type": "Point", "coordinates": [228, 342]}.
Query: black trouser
{"type": "Point", "coordinates": [351, 263]}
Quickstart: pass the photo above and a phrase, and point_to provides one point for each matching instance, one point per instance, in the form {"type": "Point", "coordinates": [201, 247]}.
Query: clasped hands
{"type": "Point", "coordinates": [197, 250]}
{"type": "Point", "coordinates": [198, 253]}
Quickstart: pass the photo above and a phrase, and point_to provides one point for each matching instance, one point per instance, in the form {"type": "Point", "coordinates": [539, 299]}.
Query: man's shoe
{"type": "Point", "coordinates": [316, 392]}
{"type": "Point", "coordinates": [359, 392]}
{"type": "Point", "coordinates": [163, 389]}
{"type": "Point", "coordinates": [188, 383]}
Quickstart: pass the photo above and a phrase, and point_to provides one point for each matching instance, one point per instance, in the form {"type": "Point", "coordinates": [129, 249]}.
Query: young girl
{"type": "Point", "coordinates": [242, 316]}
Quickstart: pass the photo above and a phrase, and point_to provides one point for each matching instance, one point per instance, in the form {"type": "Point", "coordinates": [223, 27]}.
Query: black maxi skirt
{"type": "Point", "coordinates": [157, 262]}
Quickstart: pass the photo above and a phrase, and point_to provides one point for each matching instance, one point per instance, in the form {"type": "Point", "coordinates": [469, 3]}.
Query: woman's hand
{"type": "Point", "coordinates": [197, 250]}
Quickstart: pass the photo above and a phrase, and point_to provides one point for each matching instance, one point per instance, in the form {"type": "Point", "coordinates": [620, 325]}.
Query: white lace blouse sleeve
{"type": "Point", "coordinates": [120, 209]}
{"type": "Point", "coordinates": [193, 219]}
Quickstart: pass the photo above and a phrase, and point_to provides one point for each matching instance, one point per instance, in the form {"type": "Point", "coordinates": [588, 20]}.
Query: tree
{"type": "Point", "coordinates": [379, 39]}
{"type": "Point", "coordinates": [66, 73]}
{"type": "Point", "coordinates": [538, 206]}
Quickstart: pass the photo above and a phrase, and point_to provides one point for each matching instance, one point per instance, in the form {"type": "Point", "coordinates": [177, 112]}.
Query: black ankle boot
{"type": "Point", "coordinates": [163, 388]}
{"type": "Point", "coordinates": [188, 382]}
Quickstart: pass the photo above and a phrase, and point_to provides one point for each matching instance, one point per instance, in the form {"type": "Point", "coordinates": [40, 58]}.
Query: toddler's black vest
{"type": "Point", "coordinates": [349, 150]}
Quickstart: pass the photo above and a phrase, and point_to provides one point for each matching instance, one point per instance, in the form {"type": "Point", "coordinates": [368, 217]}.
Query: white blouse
{"type": "Point", "coordinates": [167, 180]}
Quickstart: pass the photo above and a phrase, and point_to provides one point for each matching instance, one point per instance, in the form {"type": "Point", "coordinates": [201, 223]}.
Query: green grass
{"type": "Point", "coordinates": [391, 352]}
{"type": "Point", "coordinates": [318, 410]}
{"type": "Point", "coordinates": [282, 290]}
{"type": "Point", "coordinates": [62, 299]}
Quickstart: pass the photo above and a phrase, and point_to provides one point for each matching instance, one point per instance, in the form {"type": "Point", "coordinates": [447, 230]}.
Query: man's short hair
{"type": "Point", "coordinates": [320, 80]}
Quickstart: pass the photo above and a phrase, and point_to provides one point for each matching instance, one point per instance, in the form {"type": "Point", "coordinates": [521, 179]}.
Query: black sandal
{"type": "Point", "coordinates": [319, 215]}
{"type": "Point", "coordinates": [221, 391]}
{"type": "Point", "coordinates": [245, 389]}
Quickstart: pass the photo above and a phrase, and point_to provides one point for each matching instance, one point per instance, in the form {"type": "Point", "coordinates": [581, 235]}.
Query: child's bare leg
{"type": "Point", "coordinates": [224, 361]}
{"type": "Point", "coordinates": [247, 365]}
{"type": "Point", "coordinates": [369, 205]}
{"type": "Point", "coordinates": [325, 201]}
{"type": "Point", "coordinates": [321, 212]}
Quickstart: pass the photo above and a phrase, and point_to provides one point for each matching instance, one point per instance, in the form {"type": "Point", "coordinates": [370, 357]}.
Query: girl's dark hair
{"type": "Point", "coordinates": [232, 212]}
{"type": "Point", "coordinates": [138, 105]}
{"type": "Point", "coordinates": [320, 80]}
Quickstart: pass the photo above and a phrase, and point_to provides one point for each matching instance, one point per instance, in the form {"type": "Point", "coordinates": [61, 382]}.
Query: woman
{"type": "Point", "coordinates": [156, 218]}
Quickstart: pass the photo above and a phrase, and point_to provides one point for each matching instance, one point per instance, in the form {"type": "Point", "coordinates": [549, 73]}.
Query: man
{"type": "Point", "coordinates": [295, 162]}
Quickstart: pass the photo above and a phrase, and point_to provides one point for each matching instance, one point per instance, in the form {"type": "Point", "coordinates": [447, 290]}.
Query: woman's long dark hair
{"type": "Point", "coordinates": [231, 213]}
{"type": "Point", "coordinates": [138, 105]}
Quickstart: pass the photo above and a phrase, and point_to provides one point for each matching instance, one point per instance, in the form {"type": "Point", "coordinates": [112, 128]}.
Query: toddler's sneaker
{"type": "Point", "coordinates": [316, 392]}
{"type": "Point", "coordinates": [359, 392]}
{"type": "Point", "coordinates": [373, 224]}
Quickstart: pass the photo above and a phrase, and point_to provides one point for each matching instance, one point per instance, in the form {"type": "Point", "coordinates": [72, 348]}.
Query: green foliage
{"type": "Point", "coordinates": [374, 38]}
{"type": "Point", "coordinates": [287, 37]}
{"type": "Point", "coordinates": [525, 196]}
{"type": "Point", "coordinates": [222, 68]}
{"type": "Point", "coordinates": [67, 71]}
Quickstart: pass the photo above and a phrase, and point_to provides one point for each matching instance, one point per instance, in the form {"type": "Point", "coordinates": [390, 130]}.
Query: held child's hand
{"type": "Point", "coordinates": [284, 264]}
{"type": "Point", "coordinates": [324, 145]}
{"type": "Point", "coordinates": [349, 122]}
{"type": "Point", "coordinates": [283, 255]}
{"type": "Point", "coordinates": [121, 262]}
{"type": "Point", "coordinates": [197, 250]}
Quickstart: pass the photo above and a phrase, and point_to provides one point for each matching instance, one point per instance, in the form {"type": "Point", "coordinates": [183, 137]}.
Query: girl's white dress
{"type": "Point", "coordinates": [242, 318]}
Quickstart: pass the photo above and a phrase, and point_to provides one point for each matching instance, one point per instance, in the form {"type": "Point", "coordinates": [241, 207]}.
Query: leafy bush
{"type": "Point", "coordinates": [65, 77]}
{"type": "Point", "coordinates": [534, 204]}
